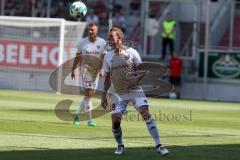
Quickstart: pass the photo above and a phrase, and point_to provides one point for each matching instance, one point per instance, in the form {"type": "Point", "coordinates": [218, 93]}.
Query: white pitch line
{"type": "Point", "coordinates": [67, 137]}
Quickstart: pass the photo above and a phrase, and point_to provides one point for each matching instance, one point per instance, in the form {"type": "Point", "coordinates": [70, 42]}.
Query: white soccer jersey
{"type": "Point", "coordinates": [84, 46]}
{"type": "Point", "coordinates": [121, 66]}
{"type": "Point", "coordinates": [91, 52]}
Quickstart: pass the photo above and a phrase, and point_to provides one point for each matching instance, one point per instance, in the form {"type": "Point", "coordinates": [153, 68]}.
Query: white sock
{"type": "Point", "coordinates": [153, 130]}
{"type": "Point", "coordinates": [88, 106]}
{"type": "Point", "coordinates": [118, 135]}
{"type": "Point", "coordinates": [80, 107]}
{"type": "Point", "coordinates": [89, 111]}
{"type": "Point", "coordinates": [85, 104]}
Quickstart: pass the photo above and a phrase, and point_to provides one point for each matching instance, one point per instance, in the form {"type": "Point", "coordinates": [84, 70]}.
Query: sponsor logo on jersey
{"type": "Point", "coordinates": [91, 53]}
{"type": "Point", "coordinates": [113, 107]}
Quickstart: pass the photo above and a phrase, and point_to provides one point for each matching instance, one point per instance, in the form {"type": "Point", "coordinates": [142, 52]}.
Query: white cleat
{"type": "Point", "coordinates": [119, 150]}
{"type": "Point", "coordinates": [162, 150]}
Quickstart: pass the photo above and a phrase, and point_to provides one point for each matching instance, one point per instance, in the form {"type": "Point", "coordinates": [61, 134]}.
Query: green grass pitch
{"type": "Point", "coordinates": [191, 130]}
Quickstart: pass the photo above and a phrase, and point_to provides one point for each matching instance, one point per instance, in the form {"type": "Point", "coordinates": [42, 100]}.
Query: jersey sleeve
{"type": "Point", "coordinates": [106, 66]}
{"type": "Point", "coordinates": [79, 46]}
{"type": "Point", "coordinates": [103, 46]}
{"type": "Point", "coordinates": [136, 58]}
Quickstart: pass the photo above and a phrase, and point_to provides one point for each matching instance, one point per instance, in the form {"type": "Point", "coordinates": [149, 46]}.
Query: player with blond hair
{"type": "Point", "coordinates": [124, 69]}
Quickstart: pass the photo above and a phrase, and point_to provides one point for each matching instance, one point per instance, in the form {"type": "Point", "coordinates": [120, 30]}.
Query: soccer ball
{"type": "Point", "coordinates": [78, 9]}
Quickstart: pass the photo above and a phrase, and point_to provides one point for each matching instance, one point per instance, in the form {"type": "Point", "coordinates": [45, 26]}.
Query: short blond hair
{"type": "Point", "coordinates": [118, 31]}
{"type": "Point", "coordinates": [92, 24]}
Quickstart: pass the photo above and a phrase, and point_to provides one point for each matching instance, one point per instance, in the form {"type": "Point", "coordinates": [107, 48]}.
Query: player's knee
{"type": "Point", "coordinates": [144, 113]}
{"type": "Point", "coordinates": [86, 99]}
{"type": "Point", "coordinates": [116, 125]}
{"type": "Point", "coordinates": [89, 108]}
{"type": "Point", "coordinates": [116, 121]}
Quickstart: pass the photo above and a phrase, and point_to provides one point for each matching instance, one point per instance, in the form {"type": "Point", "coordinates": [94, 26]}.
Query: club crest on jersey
{"type": "Point", "coordinates": [113, 107]}
{"type": "Point", "coordinates": [126, 57]}
{"type": "Point", "coordinates": [98, 47]}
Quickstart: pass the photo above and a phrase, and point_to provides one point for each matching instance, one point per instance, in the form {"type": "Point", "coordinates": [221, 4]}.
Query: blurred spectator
{"type": "Point", "coordinates": [118, 19]}
{"type": "Point", "coordinates": [9, 9]}
{"type": "Point", "coordinates": [40, 9]}
{"type": "Point", "coordinates": [53, 11]}
{"type": "Point", "coordinates": [60, 10]}
{"type": "Point", "coordinates": [22, 8]}
{"type": "Point", "coordinates": [175, 65]}
{"type": "Point", "coordinates": [100, 10]}
{"type": "Point", "coordinates": [92, 17]}
{"type": "Point", "coordinates": [168, 35]}
{"type": "Point", "coordinates": [135, 7]}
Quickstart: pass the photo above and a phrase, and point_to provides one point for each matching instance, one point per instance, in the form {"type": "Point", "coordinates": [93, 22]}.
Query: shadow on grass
{"type": "Point", "coordinates": [197, 152]}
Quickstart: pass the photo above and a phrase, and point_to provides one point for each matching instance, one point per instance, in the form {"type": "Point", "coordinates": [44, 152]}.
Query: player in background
{"type": "Point", "coordinates": [124, 69]}
{"type": "Point", "coordinates": [89, 49]}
